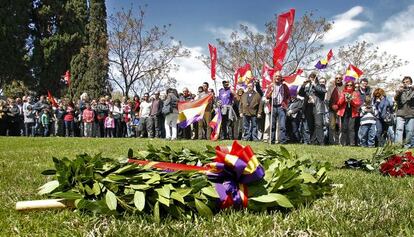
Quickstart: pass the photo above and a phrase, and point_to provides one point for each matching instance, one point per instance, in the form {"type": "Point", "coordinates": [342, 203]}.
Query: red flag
{"type": "Point", "coordinates": [67, 78]}
{"type": "Point", "coordinates": [51, 99]}
{"type": "Point", "coordinates": [213, 59]}
{"type": "Point", "coordinates": [243, 76]}
{"type": "Point", "coordinates": [267, 75]}
{"type": "Point", "coordinates": [284, 29]}
{"type": "Point", "coordinates": [290, 79]}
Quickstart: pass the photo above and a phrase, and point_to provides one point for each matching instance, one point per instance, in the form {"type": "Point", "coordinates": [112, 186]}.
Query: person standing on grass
{"type": "Point", "coordinates": [13, 113]}
{"type": "Point", "coordinates": [204, 130]}
{"type": "Point", "coordinates": [383, 109]}
{"type": "Point", "coordinates": [69, 119]}
{"type": "Point", "coordinates": [367, 129]}
{"type": "Point", "coordinates": [171, 118]}
{"type": "Point", "coordinates": [294, 115]}
{"type": "Point", "coordinates": [102, 110]}
{"type": "Point", "coordinates": [109, 125]}
{"type": "Point", "coordinates": [144, 115]}
{"type": "Point", "coordinates": [314, 108]}
{"type": "Point", "coordinates": [333, 93]}
{"type": "Point", "coordinates": [88, 117]}
{"type": "Point", "coordinates": [45, 121]}
{"type": "Point", "coordinates": [348, 109]}
{"type": "Point", "coordinates": [155, 116]}
{"type": "Point", "coordinates": [117, 114]}
{"type": "Point", "coordinates": [185, 133]}
{"type": "Point", "coordinates": [29, 117]}
{"type": "Point", "coordinates": [404, 97]}
{"type": "Point", "coordinates": [250, 109]}
{"type": "Point", "coordinates": [225, 101]}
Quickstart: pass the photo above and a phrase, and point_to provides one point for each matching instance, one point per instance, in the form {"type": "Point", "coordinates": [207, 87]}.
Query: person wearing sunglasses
{"type": "Point", "coordinates": [348, 104]}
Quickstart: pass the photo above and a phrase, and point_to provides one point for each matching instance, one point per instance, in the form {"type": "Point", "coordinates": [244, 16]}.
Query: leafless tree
{"type": "Point", "coordinates": [376, 64]}
{"type": "Point", "coordinates": [140, 58]}
{"type": "Point", "coordinates": [256, 48]}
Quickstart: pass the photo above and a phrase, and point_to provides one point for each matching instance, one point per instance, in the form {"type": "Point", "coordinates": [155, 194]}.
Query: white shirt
{"type": "Point", "coordinates": [145, 109]}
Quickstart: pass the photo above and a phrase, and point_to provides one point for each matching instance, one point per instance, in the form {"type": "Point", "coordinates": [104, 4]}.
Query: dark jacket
{"type": "Point", "coordinates": [172, 100]}
{"type": "Point", "coordinates": [405, 103]}
{"type": "Point", "coordinates": [317, 93]}
{"type": "Point", "coordinates": [254, 107]}
{"type": "Point", "coordinates": [295, 106]}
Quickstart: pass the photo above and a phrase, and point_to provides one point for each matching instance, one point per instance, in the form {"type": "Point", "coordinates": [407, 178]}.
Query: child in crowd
{"type": "Point", "coordinates": [135, 125]}
{"type": "Point", "coordinates": [45, 121]}
{"type": "Point", "coordinates": [127, 118]}
{"type": "Point", "coordinates": [367, 130]}
{"type": "Point", "coordinates": [109, 125]}
{"type": "Point", "coordinates": [88, 117]}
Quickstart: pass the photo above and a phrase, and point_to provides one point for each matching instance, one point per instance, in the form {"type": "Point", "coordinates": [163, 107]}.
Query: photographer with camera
{"type": "Point", "coordinates": [404, 98]}
{"type": "Point", "coordinates": [348, 109]}
{"type": "Point", "coordinates": [314, 107]}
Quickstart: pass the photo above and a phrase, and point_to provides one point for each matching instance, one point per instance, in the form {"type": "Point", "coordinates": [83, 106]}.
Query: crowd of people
{"type": "Point", "coordinates": [344, 112]}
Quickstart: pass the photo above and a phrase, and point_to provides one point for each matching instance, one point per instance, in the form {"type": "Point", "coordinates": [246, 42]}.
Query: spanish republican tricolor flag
{"type": "Point", "coordinates": [352, 73]}
{"type": "Point", "coordinates": [215, 124]}
{"type": "Point", "coordinates": [323, 63]}
{"type": "Point", "coordinates": [192, 111]}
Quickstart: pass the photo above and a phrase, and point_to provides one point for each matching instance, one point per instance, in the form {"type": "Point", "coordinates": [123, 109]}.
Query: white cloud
{"type": "Point", "coordinates": [192, 72]}
{"type": "Point", "coordinates": [396, 36]}
{"type": "Point", "coordinates": [345, 25]}
{"type": "Point", "coordinates": [224, 33]}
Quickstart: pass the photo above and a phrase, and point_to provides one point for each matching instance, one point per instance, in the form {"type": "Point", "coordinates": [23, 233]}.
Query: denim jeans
{"type": "Point", "coordinates": [279, 118]}
{"type": "Point", "coordinates": [69, 126]}
{"type": "Point", "coordinates": [30, 129]}
{"type": "Point", "coordinates": [404, 125]}
{"type": "Point", "coordinates": [250, 128]}
{"type": "Point", "coordinates": [366, 135]}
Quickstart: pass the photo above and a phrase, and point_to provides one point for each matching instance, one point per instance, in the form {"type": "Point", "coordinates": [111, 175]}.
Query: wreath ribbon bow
{"type": "Point", "coordinates": [232, 170]}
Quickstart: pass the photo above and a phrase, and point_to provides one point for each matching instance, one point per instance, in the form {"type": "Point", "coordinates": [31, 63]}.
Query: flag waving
{"type": "Point", "coordinates": [291, 79]}
{"type": "Point", "coordinates": [66, 77]}
{"type": "Point", "coordinates": [284, 29]}
{"type": "Point", "coordinates": [215, 124]}
{"type": "Point", "coordinates": [243, 76]}
{"type": "Point", "coordinates": [352, 73]}
{"type": "Point", "coordinates": [51, 99]}
{"type": "Point", "coordinates": [213, 59]}
{"type": "Point", "coordinates": [322, 64]}
{"type": "Point", "coordinates": [192, 111]}
{"type": "Point", "coordinates": [267, 75]}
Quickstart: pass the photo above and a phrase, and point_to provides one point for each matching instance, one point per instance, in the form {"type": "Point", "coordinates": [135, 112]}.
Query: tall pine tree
{"type": "Point", "coordinates": [90, 67]}
{"type": "Point", "coordinates": [14, 33]}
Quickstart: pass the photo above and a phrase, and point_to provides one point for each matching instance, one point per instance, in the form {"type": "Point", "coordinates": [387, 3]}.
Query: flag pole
{"type": "Point", "coordinates": [271, 114]}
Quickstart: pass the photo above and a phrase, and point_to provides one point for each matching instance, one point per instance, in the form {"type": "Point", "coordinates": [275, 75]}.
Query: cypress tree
{"type": "Point", "coordinates": [90, 67]}
{"type": "Point", "coordinates": [14, 33]}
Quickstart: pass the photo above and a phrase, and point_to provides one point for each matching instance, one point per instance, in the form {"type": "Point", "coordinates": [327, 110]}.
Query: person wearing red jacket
{"type": "Point", "coordinates": [348, 109]}
{"type": "Point", "coordinates": [88, 117]}
{"type": "Point", "coordinates": [278, 93]}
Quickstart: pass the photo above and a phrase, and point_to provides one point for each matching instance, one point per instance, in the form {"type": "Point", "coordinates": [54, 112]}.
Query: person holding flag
{"type": "Point", "coordinates": [278, 94]}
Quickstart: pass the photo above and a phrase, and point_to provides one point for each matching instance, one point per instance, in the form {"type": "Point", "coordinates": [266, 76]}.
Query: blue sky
{"type": "Point", "coordinates": [387, 23]}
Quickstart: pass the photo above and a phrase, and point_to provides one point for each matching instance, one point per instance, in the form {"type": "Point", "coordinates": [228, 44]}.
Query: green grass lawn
{"type": "Point", "coordinates": [368, 204]}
